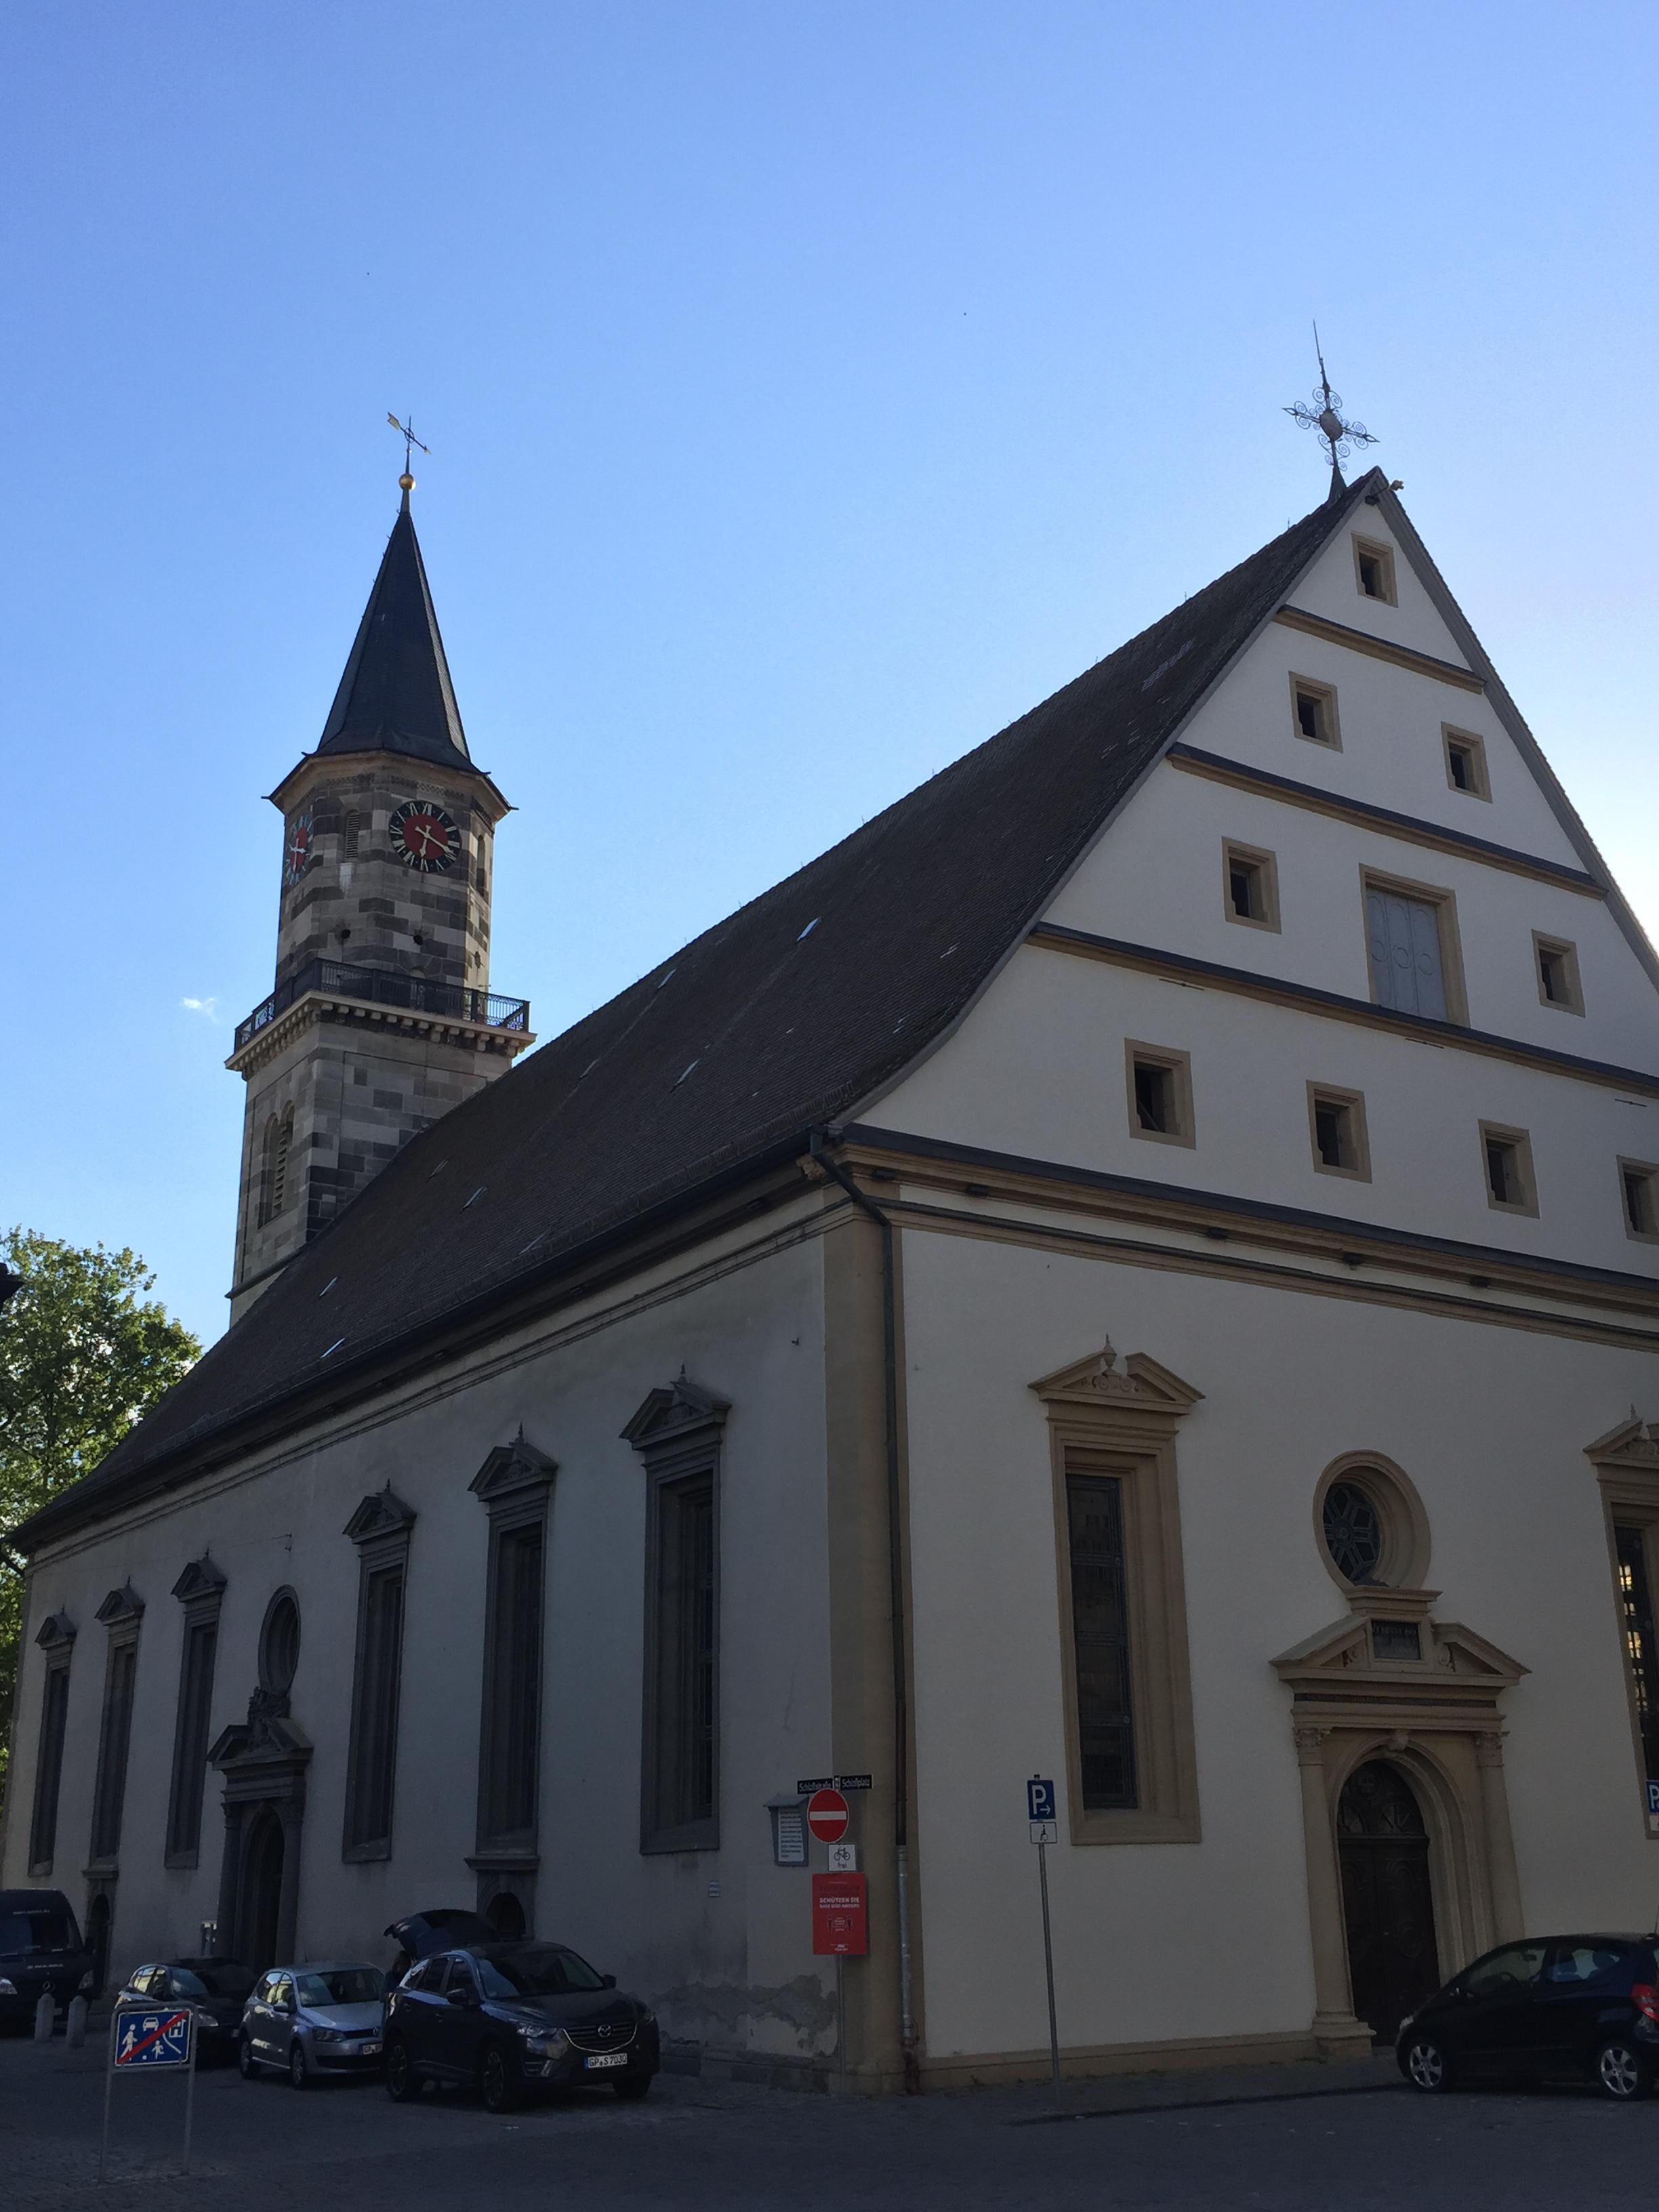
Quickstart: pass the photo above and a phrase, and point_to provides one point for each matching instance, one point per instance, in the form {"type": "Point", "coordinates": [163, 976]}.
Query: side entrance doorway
{"type": "Point", "coordinates": [1388, 1905]}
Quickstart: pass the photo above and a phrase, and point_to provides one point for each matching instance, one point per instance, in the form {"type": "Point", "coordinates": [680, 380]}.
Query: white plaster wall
{"type": "Point", "coordinates": [733, 1968]}
{"type": "Point", "coordinates": [1212, 1939]}
{"type": "Point", "coordinates": [1390, 718]}
{"type": "Point", "coordinates": [1158, 878]}
{"type": "Point", "coordinates": [1038, 1071]}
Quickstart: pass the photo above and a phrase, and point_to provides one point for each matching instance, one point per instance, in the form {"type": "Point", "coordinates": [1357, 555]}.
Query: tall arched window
{"type": "Point", "coordinates": [273, 1180]}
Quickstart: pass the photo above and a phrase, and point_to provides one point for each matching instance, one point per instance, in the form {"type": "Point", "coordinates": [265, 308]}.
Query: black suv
{"type": "Point", "coordinates": [40, 1949]}
{"type": "Point", "coordinates": [514, 2017]}
{"type": "Point", "coordinates": [1561, 2008]}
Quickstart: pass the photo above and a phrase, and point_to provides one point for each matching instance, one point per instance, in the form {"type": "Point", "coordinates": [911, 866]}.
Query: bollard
{"type": "Point", "coordinates": [76, 2031]}
{"type": "Point", "coordinates": [45, 2015]}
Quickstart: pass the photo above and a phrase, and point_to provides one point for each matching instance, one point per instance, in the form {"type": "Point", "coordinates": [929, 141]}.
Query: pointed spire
{"type": "Point", "coordinates": [395, 696]}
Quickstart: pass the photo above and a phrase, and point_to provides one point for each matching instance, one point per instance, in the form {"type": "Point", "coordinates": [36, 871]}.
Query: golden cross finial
{"type": "Point", "coordinates": [406, 432]}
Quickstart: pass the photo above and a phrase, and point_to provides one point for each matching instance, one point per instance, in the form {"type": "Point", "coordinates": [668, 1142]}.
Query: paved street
{"type": "Point", "coordinates": [702, 2143]}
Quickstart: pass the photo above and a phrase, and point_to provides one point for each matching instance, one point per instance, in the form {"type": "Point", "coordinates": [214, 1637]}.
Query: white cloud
{"type": "Point", "coordinates": [209, 1007]}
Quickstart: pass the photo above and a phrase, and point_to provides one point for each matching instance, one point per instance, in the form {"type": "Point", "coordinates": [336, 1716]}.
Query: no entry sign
{"type": "Point", "coordinates": [840, 1918]}
{"type": "Point", "coordinates": [826, 1815]}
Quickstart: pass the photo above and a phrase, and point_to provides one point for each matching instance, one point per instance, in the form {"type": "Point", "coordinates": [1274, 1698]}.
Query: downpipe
{"type": "Point", "coordinates": [838, 1173]}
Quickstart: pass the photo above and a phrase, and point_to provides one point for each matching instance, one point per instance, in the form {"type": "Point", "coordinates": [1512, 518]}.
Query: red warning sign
{"type": "Point", "coordinates": [840, 1925]}
{"type": "Point", "coordinates": [826, 1815]}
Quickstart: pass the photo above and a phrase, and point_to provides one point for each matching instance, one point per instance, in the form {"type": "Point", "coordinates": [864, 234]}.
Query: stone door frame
{"type": "Point", "coordinates": [1438, 1719]}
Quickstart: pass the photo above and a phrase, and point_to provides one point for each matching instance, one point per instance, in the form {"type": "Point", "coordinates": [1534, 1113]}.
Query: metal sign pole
{"type": "Point", "coordinates": [109, 2090]}
{"type": "Point", "coordinates": [190, 2093]}
{"type": "Point", "coordinates": [1048, 1964]}
{"type": "Point", "coordinates": [840, 2019]}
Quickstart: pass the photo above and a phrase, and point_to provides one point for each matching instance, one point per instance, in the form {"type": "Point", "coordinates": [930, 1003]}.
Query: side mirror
{"type": "Point", "coordinates": [607, 1981]}
{"type": "Point", "coordinates": [464, 1999]}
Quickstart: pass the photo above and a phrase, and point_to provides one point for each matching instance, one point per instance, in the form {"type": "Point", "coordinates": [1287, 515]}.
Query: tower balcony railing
{"type": "Point", "coordinates": [388, 987]}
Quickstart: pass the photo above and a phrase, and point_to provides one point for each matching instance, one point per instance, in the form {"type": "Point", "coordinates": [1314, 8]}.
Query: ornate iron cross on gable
{"type": "Point", "coordinates": [1324, 415]}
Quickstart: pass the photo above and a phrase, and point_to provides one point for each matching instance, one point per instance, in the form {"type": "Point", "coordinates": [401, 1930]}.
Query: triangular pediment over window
{"type": "Point", "coordinates": [517, 1466]}
{"type": "Point", "coordinates": [383, 1513]}
{"type": "Point", "coordinates": [56, 1632]}
{"type": "Point", "coordinates": [673, 1411]}
{"type": "Point", "coordinates": [1633, 1445]}
{"type": "Point", "coordinates": [119, 1606]}
{"type": "Point", "coordinates": [200, 1579]}
{"type": "Point", "coordinates": [1101, 1380]}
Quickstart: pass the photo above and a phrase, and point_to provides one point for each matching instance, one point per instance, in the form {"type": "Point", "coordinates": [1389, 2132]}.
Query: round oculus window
{"type": "Point", "coordinates": [279, 1644]}
{"type": "Point", "coordinates": [1354, 1534]}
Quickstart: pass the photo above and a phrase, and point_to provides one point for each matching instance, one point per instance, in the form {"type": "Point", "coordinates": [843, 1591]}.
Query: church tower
{"type": "Point", "coordinates": [382, 1018]}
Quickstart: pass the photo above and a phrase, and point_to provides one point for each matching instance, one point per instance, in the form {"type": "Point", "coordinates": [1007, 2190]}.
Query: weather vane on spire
{"type": "Point", "coordinates": [406, 432]}
{"type": "Point", "coordinates": [1325, 415]}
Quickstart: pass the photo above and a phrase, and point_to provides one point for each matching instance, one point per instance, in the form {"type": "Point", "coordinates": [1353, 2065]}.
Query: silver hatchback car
{"type": "Point", "coordinates": [321, 2018]}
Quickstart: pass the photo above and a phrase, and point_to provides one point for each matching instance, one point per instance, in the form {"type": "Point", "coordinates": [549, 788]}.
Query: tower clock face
{"type": "Point", "coordinates": [297, 848]}
{"type": "Point", "coordinates": [423, 836]}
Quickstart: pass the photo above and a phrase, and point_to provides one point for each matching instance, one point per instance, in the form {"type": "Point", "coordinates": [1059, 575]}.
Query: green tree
{"type": "Point", "coordinates": [83, 1356]}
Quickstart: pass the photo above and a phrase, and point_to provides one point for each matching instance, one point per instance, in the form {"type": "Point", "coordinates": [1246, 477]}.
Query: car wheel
{"type": "Point", "coordinates": [1624, 2072]}
{"type": "Point", "coordinates": [246, 2064]}
{"type": "Point", "coordinates": [1425, 2064]}
{"type": "Point", "coordinates": [630, 2088]}
{"type": "Point", "coordinates": [403, 2084]}
{"type": "Point", "coordinates": [500, 2078]}
{"type": "Point", "coordinates": [298, 2072]}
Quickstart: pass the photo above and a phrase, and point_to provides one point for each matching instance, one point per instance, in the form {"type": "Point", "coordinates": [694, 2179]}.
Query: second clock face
{"type": "Point", "coordinates": [296, 850]}
{"type": "Point", "coordinates": [423, 836]}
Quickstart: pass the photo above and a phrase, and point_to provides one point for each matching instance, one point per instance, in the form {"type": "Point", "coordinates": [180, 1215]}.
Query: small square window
{"type": "Point", "coordinates": [1160, 1094]}
{"type": "Point", "coordinates": [1638, 1190]}
{"type": "Point", "coordinates": [1336, 1122]}
{"type": "Point", "coordinates": [1557, 960]}
{"type": "Point", "coordinates": [1508, 1158]}
{"type": "Point", "coordinates": [1250, 883]}
{"type": "Point", "coordinates": [1373, 568]}
{"type": "Point", "coordinates": [1314, 711]}
{"type": "Point", "coordinates": [1466, 762]}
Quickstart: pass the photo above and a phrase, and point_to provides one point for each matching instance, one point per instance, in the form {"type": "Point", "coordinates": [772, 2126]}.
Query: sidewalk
{"type": "Point", "coordinates": [1033, 2103]}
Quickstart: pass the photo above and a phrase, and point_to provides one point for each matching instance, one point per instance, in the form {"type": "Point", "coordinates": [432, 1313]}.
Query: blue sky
{"type": "Point", "coordinates": [811, 389]}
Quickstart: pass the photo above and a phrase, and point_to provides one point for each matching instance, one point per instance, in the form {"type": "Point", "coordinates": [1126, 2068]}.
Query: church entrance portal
{"type": "Point", "coordinates": [259, 1891]}
{"type": "Point", "coordinates": [1384, 1848]}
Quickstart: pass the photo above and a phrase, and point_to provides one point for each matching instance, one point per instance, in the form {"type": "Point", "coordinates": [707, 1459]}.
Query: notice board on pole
{"type": "Point", "coordinates": [841, 1923]}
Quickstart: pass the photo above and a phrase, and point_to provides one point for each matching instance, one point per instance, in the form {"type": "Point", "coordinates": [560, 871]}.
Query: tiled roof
{"type": "Point", "coordinates": [777, 1020]}
{"type": "Point", "coordinates": [395, 696]}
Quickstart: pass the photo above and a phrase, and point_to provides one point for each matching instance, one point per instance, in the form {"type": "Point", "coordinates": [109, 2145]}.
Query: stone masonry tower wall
{"type": "Point", "coordinates": [381, 1018]}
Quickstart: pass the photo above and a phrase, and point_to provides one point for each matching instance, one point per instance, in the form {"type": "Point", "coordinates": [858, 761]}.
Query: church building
{"type": "Point", "coordinates": [1139, 1267]}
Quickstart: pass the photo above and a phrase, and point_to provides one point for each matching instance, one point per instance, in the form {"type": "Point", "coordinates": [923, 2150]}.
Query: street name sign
{"type": "Point", "coordinates": [842, 1782]}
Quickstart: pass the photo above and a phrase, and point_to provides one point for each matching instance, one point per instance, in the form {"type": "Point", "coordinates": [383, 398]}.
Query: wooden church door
{"type": "Point", "coordinates": [1383, 1847]}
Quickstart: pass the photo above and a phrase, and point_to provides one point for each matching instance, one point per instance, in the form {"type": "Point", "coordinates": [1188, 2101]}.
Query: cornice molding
{"type": "Point", "coordinates": [314, 1007]}
{"type": "Point", "coordinates": [1408, 829]}
{"type": "Point", "coordinates": [1056, 937]}
{"type": "Point", "coordinates": [1381, 648]}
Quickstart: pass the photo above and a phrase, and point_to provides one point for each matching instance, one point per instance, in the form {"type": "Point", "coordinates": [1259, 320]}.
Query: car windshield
{"type": "Point", "coordinates": [208, 1978]}
{"type": "Point", "coordinates": [339, 1985]}
{"type": "Point", "coordinates": [548, 1971]}
{"type": "Point", "coordinates": [45, 1930]}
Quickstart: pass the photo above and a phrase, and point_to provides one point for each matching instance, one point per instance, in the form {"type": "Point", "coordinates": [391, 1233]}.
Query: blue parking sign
{"type": "Point", "coordinates": [1653, 1800]}
{"type": "Point", "coordinates": [150, 2037]}
{"type": "Point", "coordinates": [1039, 1800]}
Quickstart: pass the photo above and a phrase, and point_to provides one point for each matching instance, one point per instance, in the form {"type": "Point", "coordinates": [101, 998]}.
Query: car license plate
{"type": "Point", "coordinates": [606, 2058]}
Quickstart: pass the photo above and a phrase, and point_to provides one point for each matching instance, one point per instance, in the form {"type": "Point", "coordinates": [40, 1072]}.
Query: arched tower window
{"type": "Point", "coordinates": [273, 1192]}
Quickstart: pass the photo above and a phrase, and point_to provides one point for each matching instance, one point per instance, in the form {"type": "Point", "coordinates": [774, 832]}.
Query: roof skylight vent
{"type": "Point", "coordinates": [666, 980]}
{"type": "Point", "coordinates": [328, 1286]}
{"type": "Point", "coordinates": [680, 1078]}
{"type": "Point", "coordinates": [477, 1195]}
{"type": "Point", "coordinates": [332, 1349]}
{"type": "Point", "coordinates": [810, 927]}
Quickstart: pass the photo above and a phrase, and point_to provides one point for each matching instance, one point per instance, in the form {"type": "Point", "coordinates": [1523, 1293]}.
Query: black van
{"type": "Point", "coordinates": [40, 1949]}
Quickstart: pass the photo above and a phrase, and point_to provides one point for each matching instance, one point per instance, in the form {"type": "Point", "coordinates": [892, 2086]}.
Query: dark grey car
{"type": "Point", "coordinates": [321, 2018]}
